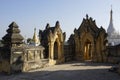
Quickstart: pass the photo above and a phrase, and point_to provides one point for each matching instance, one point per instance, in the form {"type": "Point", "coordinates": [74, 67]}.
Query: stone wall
{"type": "Point", "coordinates": [0, 66]}
{"type": "Point", "coordinates": [5, 66]}
{"type": "Point", "coordinates": [22, 58]}
{"type": "Point", "coordinates": [33, 58]}
{"type": "Point", "coordinates": [119, 68]}
{"type": "Point", "coordinates": [69, 53]}
{"type": "Point", "coordinates": [113, 54]}
{"type": "Point", "coordinates": [0, 61]}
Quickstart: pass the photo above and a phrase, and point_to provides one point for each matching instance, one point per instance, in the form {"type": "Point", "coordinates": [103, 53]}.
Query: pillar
{"type": "Point", "coordinates": [51, 54]}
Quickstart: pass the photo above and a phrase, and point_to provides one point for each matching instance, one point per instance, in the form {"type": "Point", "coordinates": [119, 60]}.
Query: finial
{"type": "Point", "coordinates": [13, 24]}
{"type": "Point", "coordinates": [111, 12]}
{"type": "Point", "coordinates": [47, 26]}
{"type": "Point", "coordinates": [111, 6]}
{"type": "Point", "coordinates": [35, 29]}
{"type": "Point", "coordinates": [75, 30]}
{"type": "Point", "coordinates": [57, 25]}
{"type": "Point", "coordinates": [86, 16]}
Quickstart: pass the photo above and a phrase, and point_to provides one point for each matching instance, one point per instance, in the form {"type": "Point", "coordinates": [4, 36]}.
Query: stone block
{"type": "Point", "coordinates": [119, 68]}
{"type": "Point", "coordinates": [113, 60]}
{"type": "Point", "coordinates": [0, 66]}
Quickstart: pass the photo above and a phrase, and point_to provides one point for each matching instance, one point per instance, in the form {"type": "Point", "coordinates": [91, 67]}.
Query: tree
{"type": "Point", "coordinates": [29, 41]}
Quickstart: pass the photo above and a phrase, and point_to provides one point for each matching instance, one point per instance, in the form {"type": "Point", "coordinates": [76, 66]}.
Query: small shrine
{"type": "Point", "coordinates": [17, 56]}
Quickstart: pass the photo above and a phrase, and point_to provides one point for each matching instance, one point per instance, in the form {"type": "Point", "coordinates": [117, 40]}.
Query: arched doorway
{"type": "Point", "coordinates": [88, 50]}
{"type": "Point", "coordinates": [55, 51]}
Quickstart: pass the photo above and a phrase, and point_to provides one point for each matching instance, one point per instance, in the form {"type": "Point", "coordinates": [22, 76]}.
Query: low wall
{"type": "Point", "coordinates": [5, 66]}
{"type": "Point", "coordinates": [113, 54]}
{"type": "Point", "coordinates": [119, 68]}
{"type": "Point", "coordinates": [34, 65]}
{"type": "Point", "coordinates": [114, 60]}
{"type": "Point", "coordinates": [0, 66]}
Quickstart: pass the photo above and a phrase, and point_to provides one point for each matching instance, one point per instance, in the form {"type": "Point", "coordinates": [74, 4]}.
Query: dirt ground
{"type": "Point", "coordinates": [68, 71]}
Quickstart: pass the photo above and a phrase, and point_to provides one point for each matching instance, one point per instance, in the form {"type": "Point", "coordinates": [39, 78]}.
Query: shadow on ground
{"type": "Point", "coordinates": [89, 63]}
{"type": "Point", "coordinates": [75, 71]}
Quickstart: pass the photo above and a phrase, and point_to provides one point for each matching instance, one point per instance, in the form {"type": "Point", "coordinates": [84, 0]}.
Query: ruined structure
{"type": "Point", "coordinates": [89, 41]}
{"type": "Point", "coordinates": [52, 38]}
{"type": "Point", "coordinates": [12, 42]}
{"type": "Point", "coordinates": [16, 56]}
{"type": "Point", "coordinates": [49, 48]}
{"type": "Point", "coordinates": [33, 58]}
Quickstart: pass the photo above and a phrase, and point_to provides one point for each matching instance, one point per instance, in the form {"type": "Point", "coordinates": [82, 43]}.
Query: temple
{"type": "Point", "coordinates": [89, 41]}
{"type": "Point", "coordinates": [52, 38]}
{"type": "Point", "coordinates": [48, 47]}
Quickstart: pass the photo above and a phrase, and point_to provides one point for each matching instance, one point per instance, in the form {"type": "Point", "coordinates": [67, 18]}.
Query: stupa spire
{"type": "Point", "coordinates": [111, 12]}
{"type": "Point", "coordinates": [35, 38]}
{"type": "Point", "coordinates": [111, 28]}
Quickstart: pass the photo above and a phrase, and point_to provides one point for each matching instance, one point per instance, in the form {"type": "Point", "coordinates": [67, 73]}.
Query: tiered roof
{"type": "Point", "coordinates": [13, 35]}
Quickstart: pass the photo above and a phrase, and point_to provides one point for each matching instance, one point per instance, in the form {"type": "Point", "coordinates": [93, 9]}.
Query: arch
{"type": "Point", "coordinates": [56, 47]}
{"type": "Point", "coordinates": [57, 50]}
{"type": "Point", "coordinates": [87, 50]}
{"type": "Point", "coordinates": [87, 46]}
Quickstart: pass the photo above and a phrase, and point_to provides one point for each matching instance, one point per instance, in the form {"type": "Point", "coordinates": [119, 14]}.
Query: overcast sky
{"type": "Point", "coordinates": [30, 14]}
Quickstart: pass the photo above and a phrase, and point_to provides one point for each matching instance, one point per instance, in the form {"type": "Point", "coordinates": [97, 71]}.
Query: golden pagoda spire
{"type": "Point", "coordinates": [35, 38]}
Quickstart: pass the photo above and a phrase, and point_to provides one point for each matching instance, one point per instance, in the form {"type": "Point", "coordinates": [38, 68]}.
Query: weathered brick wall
{"type": "Point", "coordinates": [119, 68]}
{"type": "Point", "coordinates": [114, 54]}
{"type": "Point", "coordinates": [68, 52]}
{"type": "Point", "coordinates": [5, 66]}
{"type": "Point", "coordinates": [33, 58]}
{"type": "Point", "coordinates": [0, 66]}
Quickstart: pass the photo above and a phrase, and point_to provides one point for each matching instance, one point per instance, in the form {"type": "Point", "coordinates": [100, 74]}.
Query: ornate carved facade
{"type": "Point", "coordinates": [52, 38]}
{"type": "Point", "coordinates": [89, 41]}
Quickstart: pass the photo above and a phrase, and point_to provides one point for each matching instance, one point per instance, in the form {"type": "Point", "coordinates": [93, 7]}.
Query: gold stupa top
{"type": "Point", "coordinates": [35, 38]}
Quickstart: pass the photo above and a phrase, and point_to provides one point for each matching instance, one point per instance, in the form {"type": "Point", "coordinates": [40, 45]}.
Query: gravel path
{"type": "Point", "coordinates": [68, 71]}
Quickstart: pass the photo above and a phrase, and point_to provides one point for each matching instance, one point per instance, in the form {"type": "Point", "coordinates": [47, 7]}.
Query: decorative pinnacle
{"type": "Point", "coordinates": [47, 26]}
{"type": "Point", "coordinates": [86, 16]}
{"type": "Point", "coordinates": [111, 12]}
{"type": "Point", "coordinates": [57, 24]}
{"type": "Point", "coordinates": [34, 29]}
{"type": "Point", "coordinates": [111, 7]}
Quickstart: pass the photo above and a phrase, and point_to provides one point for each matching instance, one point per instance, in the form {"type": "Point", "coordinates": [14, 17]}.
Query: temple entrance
{"type": "Point", "coordinates": [87, 50]}
{"type": "Point", "coordinates": [55, 50]}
